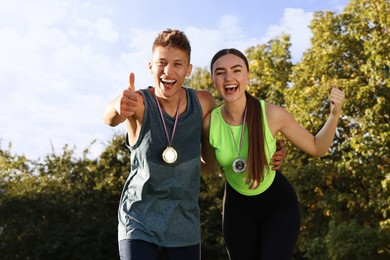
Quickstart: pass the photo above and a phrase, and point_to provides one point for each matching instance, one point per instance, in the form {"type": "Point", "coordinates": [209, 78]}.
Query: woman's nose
{"type": "Point", "coordinates": [228, 76]}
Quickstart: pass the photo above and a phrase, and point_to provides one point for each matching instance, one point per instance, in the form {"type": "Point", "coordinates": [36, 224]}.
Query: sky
{"type": "Point", "coordinates": [62, 61]}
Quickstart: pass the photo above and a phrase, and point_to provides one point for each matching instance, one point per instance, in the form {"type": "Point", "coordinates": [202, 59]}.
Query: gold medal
{"type": "Point", "coordinates": [169, 155]}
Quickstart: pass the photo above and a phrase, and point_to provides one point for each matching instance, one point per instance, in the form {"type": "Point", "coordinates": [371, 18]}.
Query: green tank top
{"type": "Point", "coordinates": [222, 141]}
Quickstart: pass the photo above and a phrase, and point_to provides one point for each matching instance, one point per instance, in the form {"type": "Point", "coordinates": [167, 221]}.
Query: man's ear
{"type": "Point", "coordinates": [189, 69]}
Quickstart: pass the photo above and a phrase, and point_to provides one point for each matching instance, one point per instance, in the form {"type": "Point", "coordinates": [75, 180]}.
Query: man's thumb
{"type": "Point", "coordinates": [131, 82]}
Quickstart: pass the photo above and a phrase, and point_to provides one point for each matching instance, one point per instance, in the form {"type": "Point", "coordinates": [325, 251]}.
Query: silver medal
{"type": "Point", "coordinates": [239, 165]}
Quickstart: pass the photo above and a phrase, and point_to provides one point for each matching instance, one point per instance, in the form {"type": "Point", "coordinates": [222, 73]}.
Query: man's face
{"type": "Point", "coordinates": [170, 67]}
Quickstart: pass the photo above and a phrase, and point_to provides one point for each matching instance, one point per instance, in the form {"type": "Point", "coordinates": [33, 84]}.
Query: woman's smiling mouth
{"type": "Point", "coordinates": [231, 88]}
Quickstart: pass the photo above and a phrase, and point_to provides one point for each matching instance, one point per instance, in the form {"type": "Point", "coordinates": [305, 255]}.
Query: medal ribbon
{"type": "Point", "coordinates": [170, 140]}
{"type": "Point", "coordinates": [242, 132]}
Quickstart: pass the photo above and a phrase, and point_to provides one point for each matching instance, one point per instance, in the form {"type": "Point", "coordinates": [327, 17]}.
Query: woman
{"type": "Point", "coordinates": [261, 213]}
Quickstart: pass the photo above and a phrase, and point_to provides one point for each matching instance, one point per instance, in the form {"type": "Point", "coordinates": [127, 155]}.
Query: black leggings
{"type": "Point", "coordinates": [264, 226]}
{"type": "Point", "coordinates": [142, 250]}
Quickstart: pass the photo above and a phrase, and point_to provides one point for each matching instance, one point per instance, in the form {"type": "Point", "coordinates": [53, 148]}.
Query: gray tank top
{"type": "Point", "coordinates": [159, 202]}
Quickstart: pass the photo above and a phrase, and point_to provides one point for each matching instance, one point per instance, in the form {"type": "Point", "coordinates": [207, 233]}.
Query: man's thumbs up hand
{"type": "Point", "coordinates": [126, 104]}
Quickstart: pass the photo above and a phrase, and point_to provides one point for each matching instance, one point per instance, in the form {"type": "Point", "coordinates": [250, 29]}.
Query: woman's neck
{"type": "Point", "coordinates": [233, 113]}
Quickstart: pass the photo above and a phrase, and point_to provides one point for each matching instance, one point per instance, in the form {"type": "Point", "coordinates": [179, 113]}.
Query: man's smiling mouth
{"type": "Point", "coordinates": [168, 82]}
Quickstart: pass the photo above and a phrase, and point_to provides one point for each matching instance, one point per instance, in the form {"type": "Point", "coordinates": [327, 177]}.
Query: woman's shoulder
{"type": "Point", "coordinates": [277, 116]}
{"type": "Point", "coordinates": [272, 108]}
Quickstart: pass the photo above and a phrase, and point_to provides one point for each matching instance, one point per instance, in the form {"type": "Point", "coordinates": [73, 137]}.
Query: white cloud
{"type": "Point", "coordinates": [33, 13]}
{"type": "Point", "coordinates": [230, 27]}
{"type": "Point", "coordinates": [101, 28]}
{"type": "Point", "coordinates": [54, 76]}
{"type": "Point", "coordinates": [229, 34]}
{"type": "Point", "coordinates": [136, 59]}
{"type": "Point", "coordinates": [294, 22]}
{"type": "Point", "coordinates": [206, 42]}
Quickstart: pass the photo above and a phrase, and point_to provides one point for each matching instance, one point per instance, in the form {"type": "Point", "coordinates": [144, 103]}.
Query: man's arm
{"type": "Point", "coordinates": [278, 156]}
{"type": "Point", "coordinates": [128, 107]}
{"type": "Point", "coordinates": [208, 159]}
{"type": "Point", "coordinates": [123, 106]}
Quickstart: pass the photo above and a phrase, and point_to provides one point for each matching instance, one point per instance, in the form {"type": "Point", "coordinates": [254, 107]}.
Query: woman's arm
{"type": "Point", "coordinates": [318, 145]}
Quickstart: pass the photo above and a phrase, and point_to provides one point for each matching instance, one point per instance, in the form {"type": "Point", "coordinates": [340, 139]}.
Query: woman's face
{"type": "Point", "coordinates": [230, 76]}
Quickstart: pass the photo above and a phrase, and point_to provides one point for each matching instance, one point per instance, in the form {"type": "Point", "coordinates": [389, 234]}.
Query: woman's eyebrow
{"type": "Point", "coordinates": [236, 66]}
{"type": "Point", "coordinates": [232, 67]}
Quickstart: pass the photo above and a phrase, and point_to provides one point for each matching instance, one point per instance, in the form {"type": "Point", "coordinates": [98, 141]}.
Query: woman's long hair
{"type": "Point", "coordinates": [257, 160]}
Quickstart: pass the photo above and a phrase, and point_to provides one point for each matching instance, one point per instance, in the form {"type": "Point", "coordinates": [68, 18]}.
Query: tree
{"type": "Point", "coordinates": [65, 208]}
{"type": "Point", "coordinates": [350, 186]}
{"type": "Point", "coordinates": [270, 67]}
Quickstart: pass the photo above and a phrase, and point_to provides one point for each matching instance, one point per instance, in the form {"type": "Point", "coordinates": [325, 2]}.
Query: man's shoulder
{"type": "Point", "coordinates": [203, 94]}
{"type": "Point", "coordinates": [206, 100]}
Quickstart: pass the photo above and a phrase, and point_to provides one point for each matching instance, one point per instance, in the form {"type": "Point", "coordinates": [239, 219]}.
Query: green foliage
{"type": "Point", "coordinates": [210, 202]}
{"type": "Point", "coordinates": [351, 190]}
{"type": "Point", "coordinates": [270, 66]}
{"type": "Point", "coordinates": [349, 240]}
{"type": "Point", "coordinates": [65, 208]}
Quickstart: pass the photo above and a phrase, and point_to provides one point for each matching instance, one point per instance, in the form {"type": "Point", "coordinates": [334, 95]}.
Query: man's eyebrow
{"type": "Point", "coordinates": [175, 60]}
